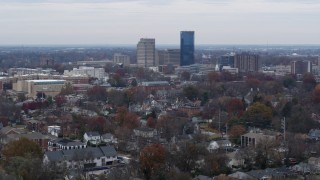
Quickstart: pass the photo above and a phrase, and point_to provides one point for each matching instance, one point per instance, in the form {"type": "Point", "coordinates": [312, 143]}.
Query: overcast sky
{"type": "Point", "coordinates": [126, 21]}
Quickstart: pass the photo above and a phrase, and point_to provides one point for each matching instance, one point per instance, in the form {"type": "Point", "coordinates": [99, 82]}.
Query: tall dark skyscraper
{"type": "Point", "coordinates": [186, 48]}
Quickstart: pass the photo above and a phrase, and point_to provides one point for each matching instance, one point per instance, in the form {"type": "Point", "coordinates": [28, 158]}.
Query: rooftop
{"type": "Point", "coordinates": [92, 133]}
{"type": "Point", "coordinates": [81, 154]}
{"type": "Point", "coordinates": [155, 83]}
{"type": "Point", "coordinates": [46, 80]}
{"type": "Point", "coordinates": [257, 135]}
{"type": "Point", "coordinates": [67, 142]}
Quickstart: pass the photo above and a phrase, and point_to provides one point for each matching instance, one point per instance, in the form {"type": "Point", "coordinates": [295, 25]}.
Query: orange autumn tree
{"type": "Point", "coordinates": [151, 122]}
{"type": "Point", "coordinates": [23, 148]}
{"type": "Point", "coordinates": [235, 107]}
{"type": "Point", "coordinates": [235, 132]}
{"type": "Point", "coordinates": [316, 94]}
{"type": "Point", "coordinates": [152, 159]}
{"type": "Point", "coordinates": [126, 119]}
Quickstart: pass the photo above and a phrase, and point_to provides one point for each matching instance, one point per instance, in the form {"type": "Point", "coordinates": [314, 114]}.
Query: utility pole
{"type": "Point", "coordinates": [283, 126]}
{"type": "Point", "coordinates": [219, 122]}
{"type": "Point", "coordinates": [227, 137]}
{"type": "Point", "coordinates": [227, 131]}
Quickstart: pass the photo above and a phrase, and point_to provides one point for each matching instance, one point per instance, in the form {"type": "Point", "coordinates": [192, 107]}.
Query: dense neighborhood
{"type": "Point", "coordinates": [105, 119]}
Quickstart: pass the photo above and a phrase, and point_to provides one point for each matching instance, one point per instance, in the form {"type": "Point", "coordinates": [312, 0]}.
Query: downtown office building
{"type": "Point", "coordinates": [146, 52]}
{"type": "Point", "coordinates": [186, 48]}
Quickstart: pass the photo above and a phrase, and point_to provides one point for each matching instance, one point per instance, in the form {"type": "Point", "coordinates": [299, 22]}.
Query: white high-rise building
{"type": "Point", "coordinates": [146, 52]}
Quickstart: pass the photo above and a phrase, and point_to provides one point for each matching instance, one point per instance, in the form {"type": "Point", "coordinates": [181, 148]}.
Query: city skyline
{"type": "Point", "coordinates": [125, 22]}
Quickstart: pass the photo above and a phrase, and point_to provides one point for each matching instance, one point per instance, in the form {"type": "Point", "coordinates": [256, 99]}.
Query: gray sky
{"type": "Point", "coordinates": [126, 21]}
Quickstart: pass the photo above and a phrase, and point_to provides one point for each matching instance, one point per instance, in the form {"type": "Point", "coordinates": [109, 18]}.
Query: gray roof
{"type": "Point", "coordinates": [54, 156]}
{"type": "Point", "coordinates": [93, 133]}
{"type": "Point", "coordinates": [223, 142]}
{"type": "Point", "coordinates": [145, 129]}
{"type": "Point", "coordinates": [35, 135]}
{"type": "Point", "coordinates": [7, 129]}
{"type": "Point", "coordinates": [67, 142]}
{"type": "Point", "coordinates": [155, 83]}
{"type": "Point", "coordinates": [272, 172]}
{"type": "Point", "coordinates": [81, 154]}
{"type": "Point", "coordinates": [107, 136]}
{"type": "Point", "coordinates": [202, 177]}
{"type": "Point", "coordinates": [314, 133]}
{"type": "Point", "coordinates": [108, 150]}
{"type": "Point", "coordinates": [241, 175]}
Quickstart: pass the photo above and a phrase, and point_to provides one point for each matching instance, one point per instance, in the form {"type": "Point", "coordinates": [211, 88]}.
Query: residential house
{"type": "Point", "coordinates": [34, 125]}
{"type": "Point", "coordinates": [302, 168]}
{"type": "Point", "coordinates": [269, 173]}
{"type": "Point", "coordinates": [190, 109]}
{"type": "Point", "coordinates": [314, 134]}
{"type": "Point", "coordinates": [202, 177]}
{"type": "Point", "coordinates": [155, 86]}
{"type": "Point", "coordinates": [314, 163]}
{"type": "Point", "coordinates": [220, 144]}
{"type": "Point", "coordinates": [108, 138]}
{"type": "Point", "coordinates": [87, 158]}
{"type": "Point", "coordinates": [54, 130]}
{"type": "Point", "coordinates": [145, 132]}
{"type": "Point", "coordinates": [92, 137]}
{"type": "Point", "coordinates": [235, 160]}
{"type": "Point", "coordinates": [39, 138]}
{"type": "Point", "coordinates": [65, 144]}
{"type": "Point", "coordinates": [241, 176]}
{"type": "Point", "coordinates": [8, 130]}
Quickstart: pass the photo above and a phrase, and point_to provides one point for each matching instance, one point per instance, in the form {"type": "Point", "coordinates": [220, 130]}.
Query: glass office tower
{"type": "Point", "coordinates": [186, 48]}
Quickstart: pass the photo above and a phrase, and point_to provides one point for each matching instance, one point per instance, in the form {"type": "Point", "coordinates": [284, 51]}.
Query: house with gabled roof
{"type": "Point", "coordinates": [92, 137]}
{"type": "Point", "coordinates": [108, 138]}
{"type": "Point", "coordinates": [87, 158]}
{"type": "Point", "coordinates": [314, 134]}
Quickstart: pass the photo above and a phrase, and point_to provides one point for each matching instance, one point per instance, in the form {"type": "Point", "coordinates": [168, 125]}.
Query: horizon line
{"type": "Point", "coordinates": [162, 44]}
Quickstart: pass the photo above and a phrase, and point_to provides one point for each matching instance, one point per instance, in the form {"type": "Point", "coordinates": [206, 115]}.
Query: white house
{"type": "Point", "coordinates": [54, 130]}
{"type": "Point", "coordinates": [221, 144]}
{"type": "Point", "coordinates": [145, 132]}
{"type": "Point", "coordinates": [314, 164]}
{"type": "Point", "coordinates": [91, 157]}
{"type": "Point", "coordinates": [92, 137]}
{"type": "Point", "coordinates": [235, 160]}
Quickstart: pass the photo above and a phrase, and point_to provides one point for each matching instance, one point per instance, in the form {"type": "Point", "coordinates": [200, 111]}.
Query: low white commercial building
{"type": "Point", "coordinates": [50, 87]}
{"type": "Point", "coordinates": [84, 70]}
